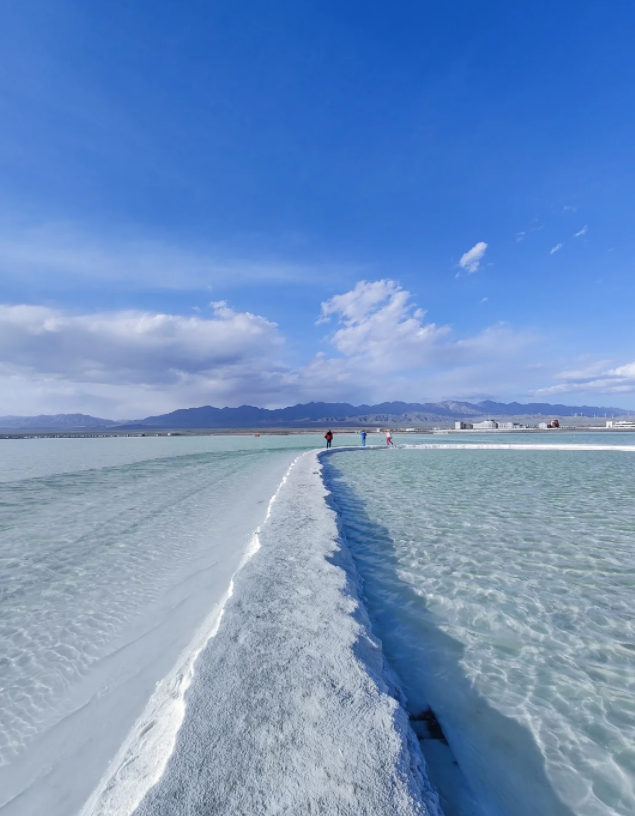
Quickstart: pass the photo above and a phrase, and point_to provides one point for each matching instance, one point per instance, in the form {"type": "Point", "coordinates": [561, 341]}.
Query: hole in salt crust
{"type": "Point", "coordinates": [434, 729]}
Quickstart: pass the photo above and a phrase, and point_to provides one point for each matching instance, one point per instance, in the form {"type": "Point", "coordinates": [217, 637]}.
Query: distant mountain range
{"type": "Point", "coordinates": [307, 415]}
{"type": "Point", "coordinates": [54, 421]}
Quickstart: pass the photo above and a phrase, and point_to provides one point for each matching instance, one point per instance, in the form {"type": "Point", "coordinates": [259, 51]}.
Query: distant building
{"type": "Point", "coordinates": [486, 424]}
{"type": "Point", "coordinates": [462, 426]}
{"type": "Point", "coordinates": [510, 426]}
{"type": "Point", "coordinates": [621, 424]}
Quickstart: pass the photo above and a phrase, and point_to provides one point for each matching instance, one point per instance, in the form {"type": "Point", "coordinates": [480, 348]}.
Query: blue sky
{"type": "Point", "coordinates": [411, 201]}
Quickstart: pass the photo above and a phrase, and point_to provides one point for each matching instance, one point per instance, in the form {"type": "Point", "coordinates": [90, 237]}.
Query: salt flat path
{"type": "Point", "coordinates": [286, 705]}
{"type": "Point", "coordinates": [291, 708]}
{"type": "Point", "coordinates": [116, 556]}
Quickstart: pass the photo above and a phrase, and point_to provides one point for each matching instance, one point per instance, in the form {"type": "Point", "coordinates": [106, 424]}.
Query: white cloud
{"type": "Point", "coordinates": [352, 307]}
{"type": "Point", "coordinates": [587, 372]}
{"type": "Point", "coordinates": [132, 355]}
{"type": "Point", "coordinates": [569, 208]}
{"type": "Point", "coordinates": [130, 346]}
{"type": "Point", "coordinates": [471, 259]}
{"type": "Point", "coordinates": [380, 324]}
{"type": "Point", "coordinates": [627, 371]}
{"type": "Point", "coordinates": [128, 364]}
{"type": "Point", "coordinates": [557, 248]}
{"type": "Point", "coordinates": [388, 351]}
{"type": "Point", "coordinates": [598, 377]}
{"type": "Point", "coordinates": [484, 300]}
{"type": "Point", "coordinates": [582, 232]}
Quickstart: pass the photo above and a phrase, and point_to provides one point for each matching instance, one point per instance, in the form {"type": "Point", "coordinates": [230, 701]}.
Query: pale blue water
{"type": "Point", "coordinates": [112, 551]}
{"type": "Point", "coordinates": [539, 438]}
{"type": "Point", "coordinates": [500, 581]}
{"type": "Point", "coordinates": [502, 585]}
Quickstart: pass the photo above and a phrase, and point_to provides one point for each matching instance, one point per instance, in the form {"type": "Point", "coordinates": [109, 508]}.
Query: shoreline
{"type": "Point", "coordinates": [142, 758]}
{"type": "Point", "coordinates": [308, 431]}
{"type": "Point", "coordinates": [292, 705]}
{"type": "Point", "coordinates": [301, 598]}
{"type": "Point", "coordinates": [158, 564]}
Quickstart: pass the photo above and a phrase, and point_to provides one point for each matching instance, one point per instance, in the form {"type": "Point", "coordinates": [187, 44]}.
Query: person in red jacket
{"type": "Point", "coordinates": [329, 438]}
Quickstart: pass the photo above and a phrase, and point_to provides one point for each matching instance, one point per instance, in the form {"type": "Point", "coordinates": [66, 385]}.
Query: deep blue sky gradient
{"type": "Point", "coordinates": [337, 142]}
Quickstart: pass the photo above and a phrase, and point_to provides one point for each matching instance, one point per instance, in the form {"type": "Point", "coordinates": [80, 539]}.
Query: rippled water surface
{"type": "Point", "coordinates": [112, 551]}
{"type": "Point", "coordinates": [502, 584]}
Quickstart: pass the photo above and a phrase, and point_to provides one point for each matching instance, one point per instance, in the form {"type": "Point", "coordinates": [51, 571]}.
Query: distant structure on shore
{"type": "Point", "coordinates": [621, 424]}
{"type": "Point", "coordinates": [488, 425]}
{"type": "Point", "coordinates": [494, 425]}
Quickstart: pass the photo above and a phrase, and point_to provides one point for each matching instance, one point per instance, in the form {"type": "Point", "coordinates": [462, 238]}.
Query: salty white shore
{"type": "Point", "coordinates": [291, 707]}
{"type": "Point", "coordinates": [106, 574]}
{"type": "Point", "coordinates": [286, 642]}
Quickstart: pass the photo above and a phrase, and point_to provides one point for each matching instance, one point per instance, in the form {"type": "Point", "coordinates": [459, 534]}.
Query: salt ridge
{"type": "Point", "coordinates": [292, 706]}
{"type": "Point", "coordinates": [143, 757]}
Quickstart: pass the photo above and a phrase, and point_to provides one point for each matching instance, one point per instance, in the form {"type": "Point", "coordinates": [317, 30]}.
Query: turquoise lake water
{"type": "Point", "coordinates": [502, 584]}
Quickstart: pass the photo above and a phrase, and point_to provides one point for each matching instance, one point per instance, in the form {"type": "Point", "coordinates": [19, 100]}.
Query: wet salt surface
{"type": "Point", "coordinates": [292, 709]}
{"type": "Point", "coordinates": [112, 553]}
{"type": "Point", "coordinates": [273, 694]}
{"type": "Point", "coordinates": [501, 584]}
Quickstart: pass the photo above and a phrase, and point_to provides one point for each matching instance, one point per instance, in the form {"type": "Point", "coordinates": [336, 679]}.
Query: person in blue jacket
{"type": "Point", "coordinates": [363, 435]}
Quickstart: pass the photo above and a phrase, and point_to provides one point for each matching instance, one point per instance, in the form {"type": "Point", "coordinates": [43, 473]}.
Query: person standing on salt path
{"type": "Point", "coordinates": [389, 439]}
{"type": "Point", "coordinates": [329, 438]}
{"type": "Point", "coordinates": [363, 435]}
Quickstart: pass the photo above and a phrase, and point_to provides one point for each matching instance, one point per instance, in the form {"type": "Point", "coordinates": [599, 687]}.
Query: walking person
{"type": "Point", "coordinates": [329, 438]}
{"type": "Point", "coordinates": [389, 441]}
{"type": "Point", "coordinates": [363, 435]}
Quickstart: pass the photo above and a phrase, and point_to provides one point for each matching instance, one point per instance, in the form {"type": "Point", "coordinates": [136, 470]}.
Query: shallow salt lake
{"type": "Point", "coordinates": [501, 583]}
{"type": "Point", "coordinates": [112, 552]}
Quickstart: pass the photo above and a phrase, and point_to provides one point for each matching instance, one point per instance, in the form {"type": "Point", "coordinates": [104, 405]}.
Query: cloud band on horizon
{"type": "Point", "coordinates": [133, 362]}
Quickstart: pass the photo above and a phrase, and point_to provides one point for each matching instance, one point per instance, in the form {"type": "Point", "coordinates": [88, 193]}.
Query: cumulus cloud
{"type": "Point", "coordinates": [383, 338]}
{"type": "Point", "coordinates": [582, 232]}
{"type": "Point", "coordinates": [134, 363]}
{"type": "Point", "coordinates": [379, 323]}
{"type": "Point", "coordinates": [557, 248]}
{"type": "Point", "coordinates": [130, 346]}
{"type": "Point", "coordinates": [470, 260]}
{"type": "Point", "coordinates": [119, 360]}
{"type": "Point", "coordinates": [354, 306]}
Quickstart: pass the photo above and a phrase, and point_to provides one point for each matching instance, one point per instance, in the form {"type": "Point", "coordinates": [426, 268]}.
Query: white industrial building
{"type": "Point", "coordinates": [485, 425]}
